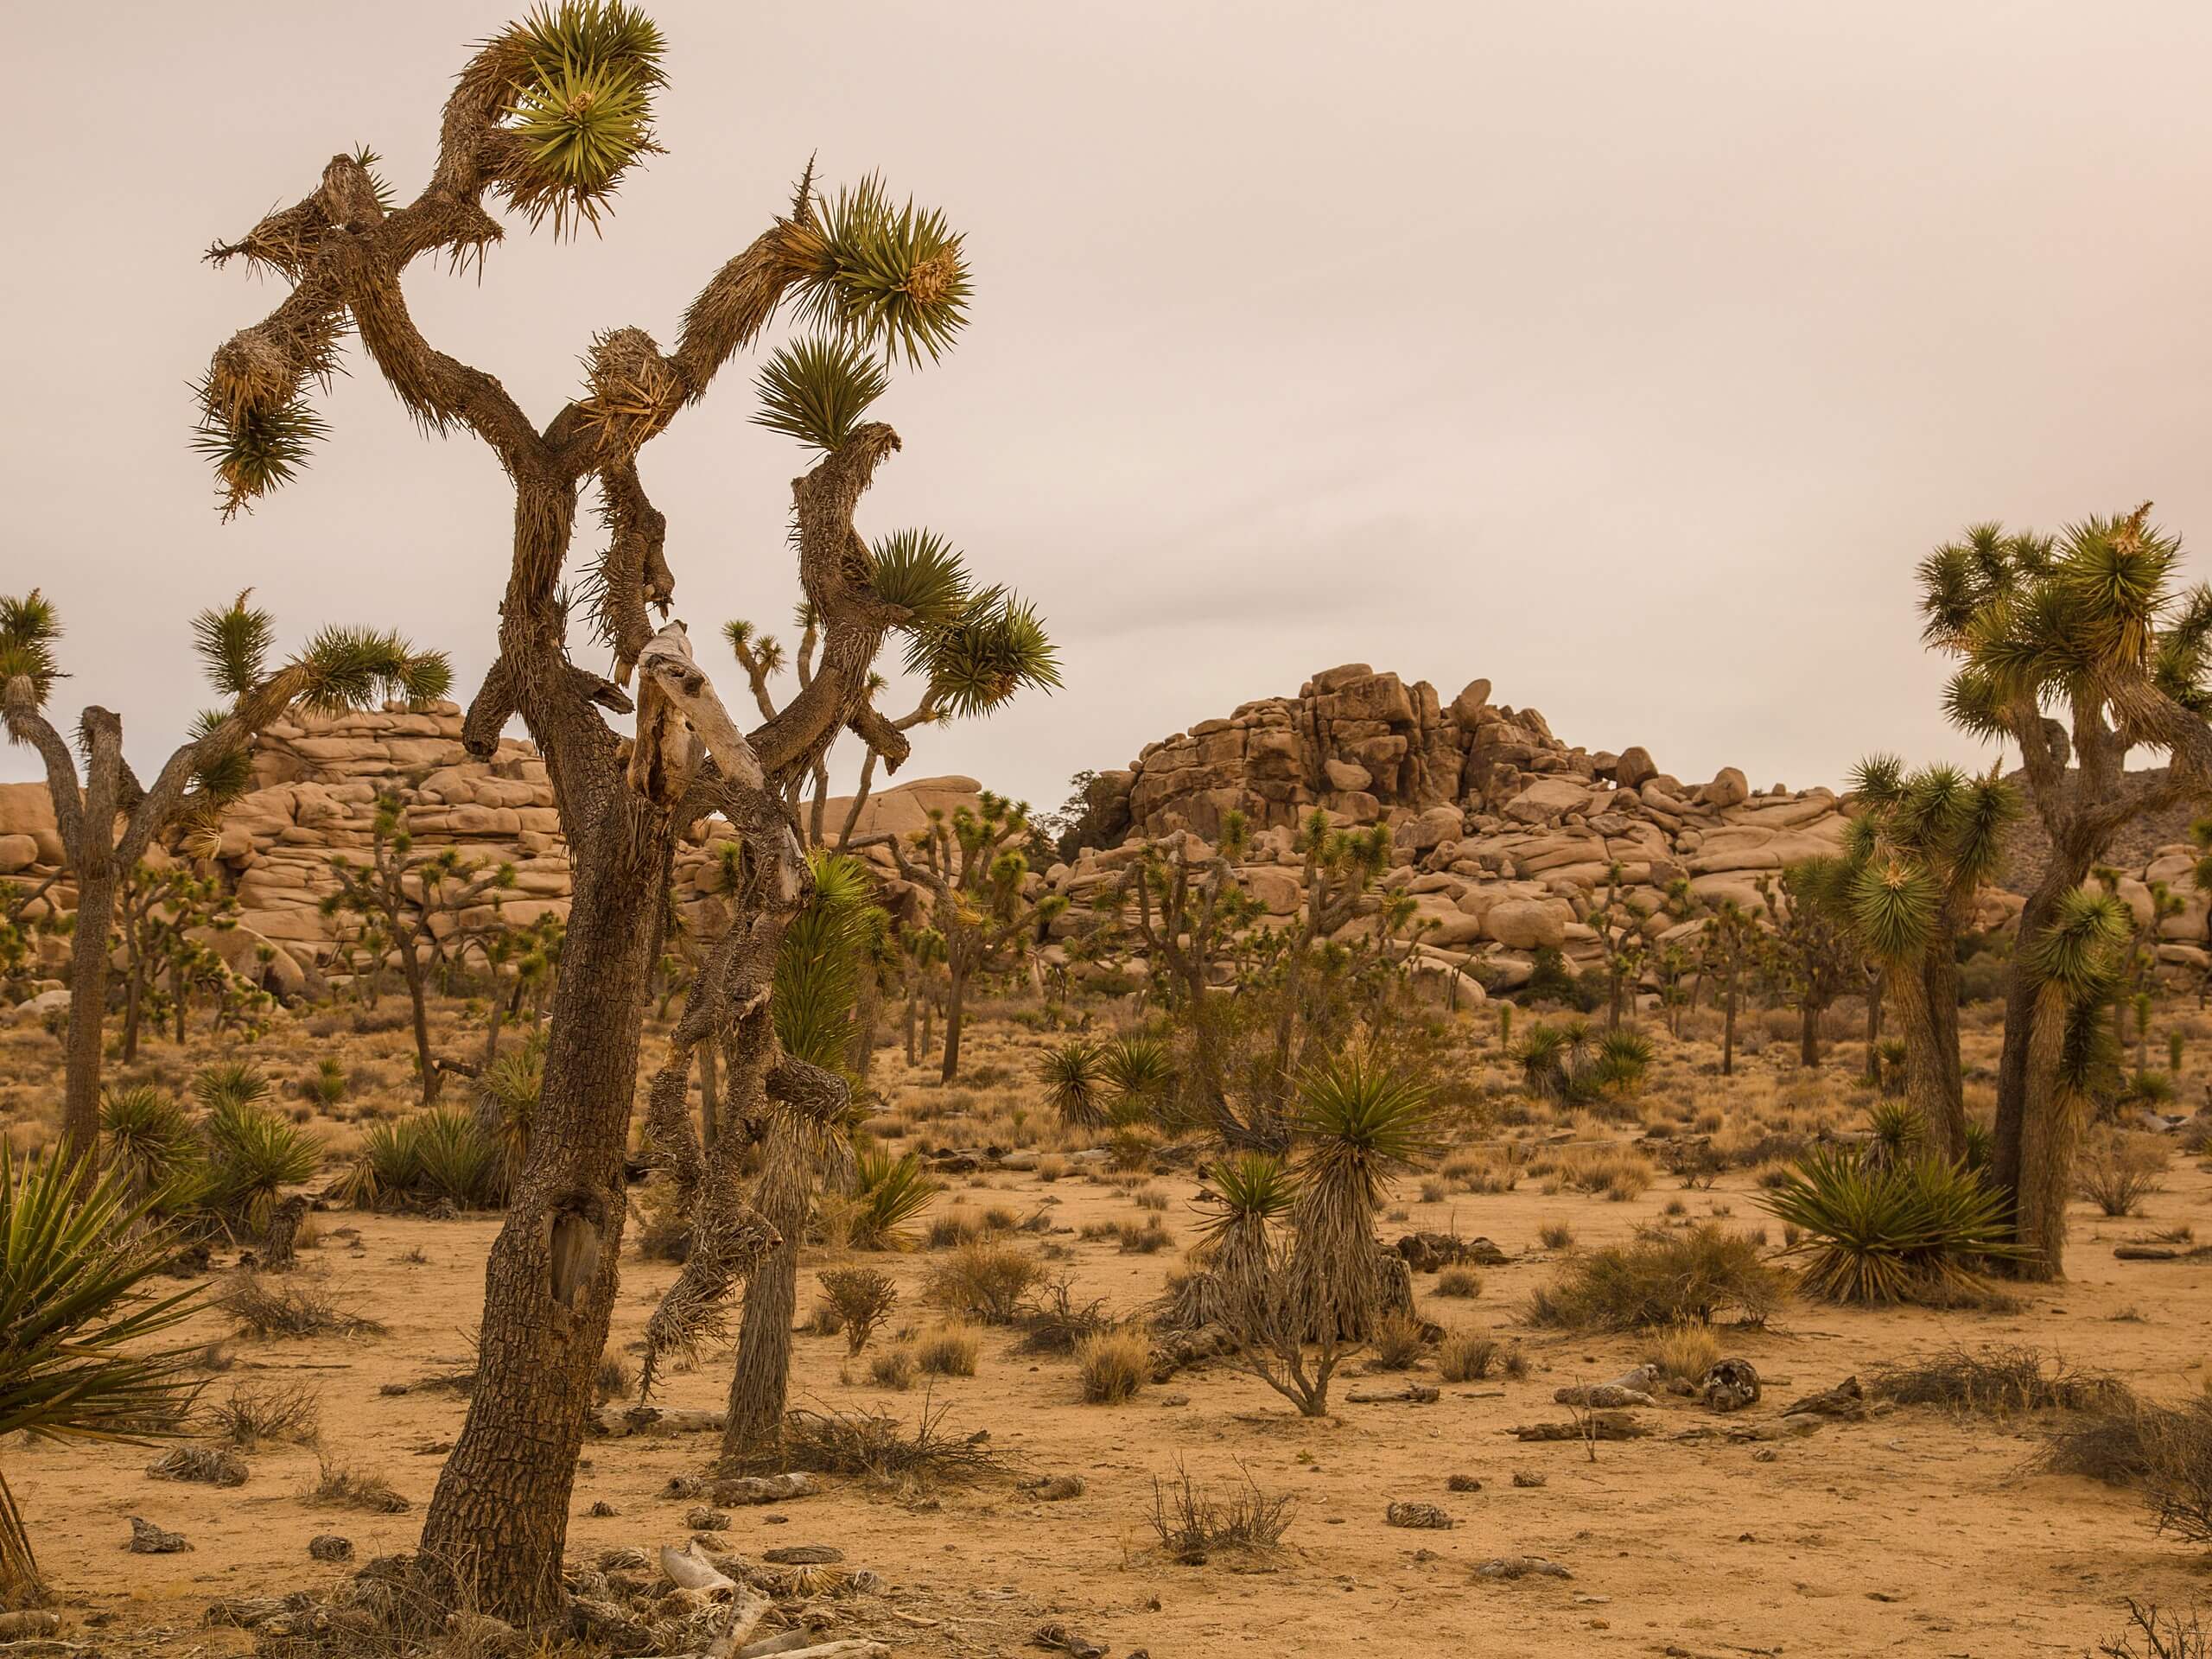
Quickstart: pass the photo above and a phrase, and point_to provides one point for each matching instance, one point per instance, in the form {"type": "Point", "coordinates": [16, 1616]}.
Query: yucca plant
{"type": "Point", "coordinates": [888, 1192]}
{"type": "Point", "coordinates": [506, 1104]}
{"type": "Point", "coordinates": [1624, 1056]}
{"type": "Point", "coordinates": [1074, 1076]}
{"type": "Point", "coordinates": [455, 1161]}
{"type": "Point", "coordinates": [1544, 1056]}
{"type": "Point", "coordinates": [1140, 1073]}
{"type": "Point", "coordinates": [76, 1359]}
{"type": "Point", "coordinates": [251, 1155]}
{"type": "Point", "coordinates": [229, 1083]}
{"type": "Point", "coordinates": [1898, 1133]}
{"type": "Point", "coordinates": [1357, 1123]}
{"type": "Point", "coordinates": [326, 1087]}
{"type": "Point", "coordinates": [148, 1140]}
{"type": "Point", "coordinates": [1246, 1196]}
{"type": "Point", "coordinates": [1917, 1231]}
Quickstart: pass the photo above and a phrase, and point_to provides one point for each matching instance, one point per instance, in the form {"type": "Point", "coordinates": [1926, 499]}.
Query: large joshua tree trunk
{"type": "Point", "coordinates": [1942, 1116]}
{"type": "Point", "coordinates": [499, 1519]}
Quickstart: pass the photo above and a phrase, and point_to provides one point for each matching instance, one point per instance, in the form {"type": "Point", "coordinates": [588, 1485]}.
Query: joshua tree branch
{"type": "Point", "coordinates": [27, 725]}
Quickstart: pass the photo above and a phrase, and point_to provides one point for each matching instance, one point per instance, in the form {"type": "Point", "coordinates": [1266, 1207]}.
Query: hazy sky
{"type": "Point", "coordinates": [1626, 354]}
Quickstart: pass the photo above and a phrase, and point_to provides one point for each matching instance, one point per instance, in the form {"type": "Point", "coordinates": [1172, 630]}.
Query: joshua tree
{"type": "Point", "coordinates": [1618, 924]}
{"type": "Point", "coordinates": [2093, 625]}
{"type": "Point", "coordinates": [548, 116]}
{"type": "Point", "coordinates": [2078, 959]}
{"type": "Point", "coordinates": [1918, 848]}
{"type": "Point", "coordinates": [1340, 869]}
{"type": "Point", "coordinates": [108, 820]}
{"type": "Point", "coordinates": [159, 914]}
{"type": "Point", "coordinates": [1357, 1124]}
{"type": "Point", "coordinates": [818, 973]}
{"type": "Point", "coordinates": [1186, 905]}
{"type": "Point", "coordinates": [1810, 952]}
{"type": "Point", "coordinates": [1728, 945]}
{"type": "Point", "coordinates": [407, 893]}
{"type": "Point", "coordinates": [974, 874]}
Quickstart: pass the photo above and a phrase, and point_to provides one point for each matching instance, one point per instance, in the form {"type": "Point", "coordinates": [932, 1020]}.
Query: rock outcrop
{"type": "Point", "coordinates": [316, 784]}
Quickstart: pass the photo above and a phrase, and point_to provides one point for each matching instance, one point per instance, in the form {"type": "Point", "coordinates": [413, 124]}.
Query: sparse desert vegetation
{"type": "Point", "coordinates": [656, 1206]}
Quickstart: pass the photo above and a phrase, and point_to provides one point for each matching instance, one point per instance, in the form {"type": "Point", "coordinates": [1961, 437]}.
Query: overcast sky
{"type": "Point", "coordinates": [1628, 355]}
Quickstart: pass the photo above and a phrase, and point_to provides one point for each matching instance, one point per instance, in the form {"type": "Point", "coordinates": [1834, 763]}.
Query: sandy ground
{"type": "Point", "coordinates": [1915, 1533]}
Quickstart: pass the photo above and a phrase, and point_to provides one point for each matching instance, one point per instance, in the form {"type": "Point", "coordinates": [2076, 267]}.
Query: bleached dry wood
{"type": "Point", "coordinates": [614, 1422]}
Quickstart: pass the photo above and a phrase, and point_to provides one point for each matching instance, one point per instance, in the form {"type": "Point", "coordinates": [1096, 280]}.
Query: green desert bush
{"type": "Point", "coordinates": [889, 1193]}
{"type": "Point", "coordinates": [1913, 1231]}
{"type": "Point", "coordinates": [252, 1153]}
{"type": "Point", "coordinates": [1663, 1278]}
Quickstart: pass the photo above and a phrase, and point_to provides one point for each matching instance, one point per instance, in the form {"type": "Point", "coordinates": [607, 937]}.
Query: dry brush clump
{"type": "Point", "coordinates": [285, 1414]}
{"type": "Point", "coordinates": [1112, 1366]}
{"type": "Point", "coordinates": [1694, 1275]}
{"type": "Point", "coordinates": [289, 1307]}
{"type": "Point", "coordinates": [861, 1298]}
{"type": "Point", "coordinates": [1998, 1378]}
{"type": "Point", "coordinates": [882, 1450]}
{"type": "Point", "coordinates": [984, 1280]}
{"type": "Point", "coordinates": [2117, 1172]}
{"type": "Point", "coordinates": [1193, 1524]}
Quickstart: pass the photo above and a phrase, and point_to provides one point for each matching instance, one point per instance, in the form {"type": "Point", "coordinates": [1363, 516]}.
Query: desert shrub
{"type": "Point", "coordinates": [613, 1380]}
{"type": "Point", "coordinates": [251, 1155]}
{"type": "Point", "coordinates": [948, 1350]}
{"type": "Point", "coordinates": [2001, 1377]}
{"type": "Point", "coordinates": [1397, 1343]}
{"type": "Point", "coordinates": [1193, 1524]}
{"type": "Point", "coordinates": [952, 1228]}
{"type": "Point", "coordinates": [2178, 1470]}
{"type": "Point", "coordinates": [289, 1307]}
{"type": "Point", "coordinates": [1555, 1236]}
{"type": "Point", "coordinates": [862, 1297]}
{"type": "Point", "coordinates": [290, 1414]}
{"type": "Point", "coordinates": [1112, 1365]}
{"type": "Point", "coordinates": [1149, 1198]}
{"type": "Point", "coordinates": [2117, 1172]}
{"type": "Point", "coordinates": [1685, 1351]}
{"type": "Point", "coordinates": [1052, 1167]}
{"type": "Point", "coordinates": [325, 1086]}
{"type": "Point", "coordinates": [348, 1486]}
{"type": "Point", "coordinates": [1467, 1356]}
{"type": "Point", "coordinates": [1693, 1275]}
{"type": "Point", "coordinates": [1464, 1283]}
{"type": "Point", "coordinates": [2153, 1633]}
{"type": "Point", "coordinates": [1147, 1239]}
{"type": "Point", "coordinates": [1912, 1231]}
{"type": "Point", "coordinates": [893, 1368]}
{"type": "Point", "coordinates": [1053, 1321]}
{"type": "Point", "coordinates": [984, 1280]}
{"type": "Point", "coordinates": [878, 1448]}
{"type": "Point", "coordinates": [148, 1138]}
{"type": "Point", "coordinates": [888, 1193]}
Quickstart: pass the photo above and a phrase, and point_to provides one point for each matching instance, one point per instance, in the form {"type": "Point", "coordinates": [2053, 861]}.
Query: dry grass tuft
{"type": "Point", "coordinates": [984, 1280]}
{"type": "Point", "coordinates": [1691, 1276]}
{"type": "Point", "coordinates": [1113, 1365]}
{"type": "Point", "coordinates": [948, 1350]}
{"type": "Point", "coordinates": [290, 1308]}
{"type": "Point", "coordinates": [1191, 1523]}
{"type": "Point", "coordinates": [347, 1486]}
{"type": "Point", "coordinates": [1467, 1356]}
{"type": "Point", "coordinates": [288, 1414]}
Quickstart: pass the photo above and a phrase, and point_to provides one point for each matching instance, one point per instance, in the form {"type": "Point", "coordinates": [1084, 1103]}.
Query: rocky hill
{"type": "Point", "coordinates": [1502, 831]}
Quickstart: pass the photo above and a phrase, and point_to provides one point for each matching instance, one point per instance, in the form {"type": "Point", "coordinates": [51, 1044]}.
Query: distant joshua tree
{"type": "Point", "coordinates": [405, 893]}
{"type": "Point", "coordinates": [1919, 846]}
{"type": "Point", "coordinates": [547, 117]}
{"type": "Point", "coordinates": [108, 820]}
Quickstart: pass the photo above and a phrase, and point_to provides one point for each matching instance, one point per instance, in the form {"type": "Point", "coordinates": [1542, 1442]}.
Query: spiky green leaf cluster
{"type": "Point", "coordinates": [2083, 949]}
{"type": "Point", "coordinates": [921, 572]}
{"type": "Point", "coordinates": [891, 279]}
{"type": "Point", "coordinates": [76, 1360]}
{"type": "Point", "coordinates": [817, 980]}
{"type": "Point", "coordinates": [1359, 1121]}
{"type": "Point", "coordinates": [233, 642]}
{"type": "Point", "coordinates": [357, 668]}
{"type": "Point", "coordinates": [995, 647]}
{"type": "Point", "coordinates": [579, 106]}
{"type": "Point", "coordinates": [1246, 1188]}
{"type": "Point", "coordinates": [1917, 1229]}
{"type": "Point", "coordinates": [29, 628]}
{"type": "Point", "coordinates": [264, 447]}
{"type": "Point", "coordinates": [889, 1193]}
{"type": "Point", "coordinates": [819, 388]}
